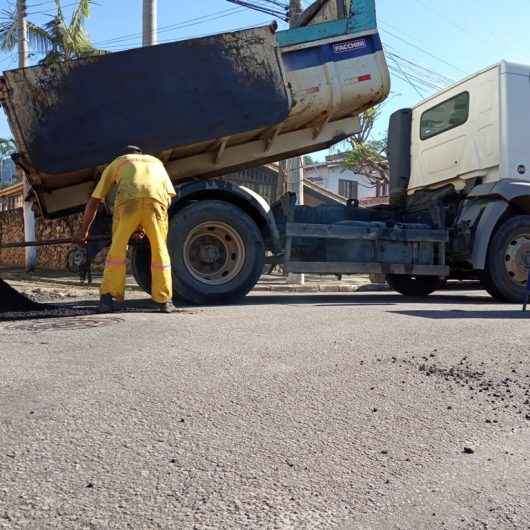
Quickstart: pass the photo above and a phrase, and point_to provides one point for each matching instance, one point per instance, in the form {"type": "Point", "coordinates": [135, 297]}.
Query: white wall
{"type": "Point", "coordinates": [328, 175]}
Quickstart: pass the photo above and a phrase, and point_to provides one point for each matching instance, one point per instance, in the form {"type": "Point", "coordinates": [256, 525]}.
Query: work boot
{"type": "Point", "coordinates": [166, 307]}
{"type": "Point", "coordinates": [106, 304]}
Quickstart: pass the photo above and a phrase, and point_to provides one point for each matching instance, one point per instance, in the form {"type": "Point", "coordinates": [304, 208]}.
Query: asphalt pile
{"type": "Point", "coordinates": [12, 301]}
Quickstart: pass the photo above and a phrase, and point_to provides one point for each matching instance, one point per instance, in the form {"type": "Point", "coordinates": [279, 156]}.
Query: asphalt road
{"type": "Point", "coordinates": [322, 411]}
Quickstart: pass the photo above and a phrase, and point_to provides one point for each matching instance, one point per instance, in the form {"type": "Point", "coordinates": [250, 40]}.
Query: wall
{"type": "Point", "coordinates": [48, 258]}
{"type": "Point", "coordinates": [54, 257]}
{"type": "Point", "coordinates": [12, 229]}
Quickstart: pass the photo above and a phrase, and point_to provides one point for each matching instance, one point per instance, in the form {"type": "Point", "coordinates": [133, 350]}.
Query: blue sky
{"type": "Point", "coordinates": [434, 40]}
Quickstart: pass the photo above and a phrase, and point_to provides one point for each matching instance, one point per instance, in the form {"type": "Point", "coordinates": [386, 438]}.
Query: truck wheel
{"type": "Point", "coordinates": [415, 285]}
{"type": "Point", "coordinates": [506, 274]}
{"type": "Point", "coordinates": [141, 265]}
{"type": "Point", "coordinates": [217, 252]}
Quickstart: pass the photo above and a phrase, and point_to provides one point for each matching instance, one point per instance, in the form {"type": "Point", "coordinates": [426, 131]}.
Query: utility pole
{"type": "Point", "coordinates": [292, 168]}
{"type": "Point", "coordinates": [149, 22]}
{"type": "Point", "coordinates": [22, 26]}
{"type": "Point", "coordinates": [23, 62]}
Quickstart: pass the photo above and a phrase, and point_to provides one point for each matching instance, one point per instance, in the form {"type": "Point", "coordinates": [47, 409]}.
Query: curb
{"type": "Point", "coordinates": [362, 288]}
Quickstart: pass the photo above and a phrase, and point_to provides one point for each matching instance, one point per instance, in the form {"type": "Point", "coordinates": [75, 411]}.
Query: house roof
{"type": "Point", "coordinates": [10, 191]}
{"type": "Point", "coordinates": [322, 193]}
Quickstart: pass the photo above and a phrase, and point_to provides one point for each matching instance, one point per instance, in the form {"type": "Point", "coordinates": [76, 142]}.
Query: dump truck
{"type": "Point", "coordinates": [214, 105]}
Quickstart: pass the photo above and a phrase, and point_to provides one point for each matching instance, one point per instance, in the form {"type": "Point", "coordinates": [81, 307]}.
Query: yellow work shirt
{"type": "Point", "coordinates": [136, 177]}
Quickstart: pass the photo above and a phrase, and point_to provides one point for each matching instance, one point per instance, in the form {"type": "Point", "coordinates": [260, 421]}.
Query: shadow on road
{"type": "Point", "coordinates": [381, 299]}
{"type": "Point", "coordinates": [78, 308]}
{"type": "Point", "coordinates": [463, 314]}
{"type": "Point", "coordinates": [353, 299]}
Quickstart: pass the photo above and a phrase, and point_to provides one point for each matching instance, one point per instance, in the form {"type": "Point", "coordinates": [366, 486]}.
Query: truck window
{"type": "Point", "coordinates": [445, 116]}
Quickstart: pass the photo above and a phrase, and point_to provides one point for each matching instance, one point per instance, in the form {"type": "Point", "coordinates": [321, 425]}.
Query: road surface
{"type": "Point", "coordinates": [287, 411]}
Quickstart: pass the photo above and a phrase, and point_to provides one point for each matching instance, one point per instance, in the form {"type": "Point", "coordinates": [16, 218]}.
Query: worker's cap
{"type": "Point", "coordinates": [132, 149]}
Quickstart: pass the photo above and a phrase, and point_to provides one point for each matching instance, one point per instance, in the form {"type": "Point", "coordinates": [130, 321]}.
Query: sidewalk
{"type": "Point", "coordinates": [267, 283]}
{"type": "Point", "coordinates": [315, 283]}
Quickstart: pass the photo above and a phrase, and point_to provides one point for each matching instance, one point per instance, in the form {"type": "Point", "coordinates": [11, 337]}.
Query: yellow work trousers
{"type": "Point", "coordinates": [129, 217]}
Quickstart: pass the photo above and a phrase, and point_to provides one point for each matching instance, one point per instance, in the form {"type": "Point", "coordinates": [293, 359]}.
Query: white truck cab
{"type": "Point", "coordinates": [477, 128]}
{"type": "Point", "coordinates": [461, 160]}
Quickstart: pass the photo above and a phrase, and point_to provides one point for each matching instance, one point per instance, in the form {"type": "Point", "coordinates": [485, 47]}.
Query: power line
{"type": "Point", "coordinates": [438, 78]}
{"type": "Point", "coordinates": [39, 4]}
{"type": "Point", "coordinates": [418, 79]}
{"type": "Point", "coordinates": [420, 49]}
{"type": "Point", "coordinates": [414, 75]}
{"type": "Point", "coordinates": [408, 80]}
{"type": "Point", "coordinates": [265, 9]}
{"type": "Point", "coordinates": [414, 82]}
{"type": "Point", "coordinates": [196, 35]}
{"type": "Point", "coordinates": [413, 71]}
{"type": "Point", "coordinates": [180, 25]}
{"type": "Point", "coordinates": [277, 3]}
{"type": "Point", "coordinates": [48, 12]}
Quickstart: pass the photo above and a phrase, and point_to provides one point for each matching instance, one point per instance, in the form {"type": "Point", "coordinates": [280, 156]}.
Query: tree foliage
{"type": "Point", "coordinates": [365, 155]}
{"type": "Point", "coordinates": [308, 160]}
{"type": "Point", "coordinates": [58, 40]}
{"type": "Point", "coordinates": [7, 146]}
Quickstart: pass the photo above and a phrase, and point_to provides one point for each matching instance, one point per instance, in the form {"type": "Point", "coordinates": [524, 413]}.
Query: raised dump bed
{"type": "Point", "coordinates": [205, 106]}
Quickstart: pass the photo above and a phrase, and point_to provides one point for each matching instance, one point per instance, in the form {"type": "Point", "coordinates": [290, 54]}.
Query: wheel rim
{"type": "Point", "coordinates": [517, 259]}
{"type": "Point", "coordinates": [214, 253]}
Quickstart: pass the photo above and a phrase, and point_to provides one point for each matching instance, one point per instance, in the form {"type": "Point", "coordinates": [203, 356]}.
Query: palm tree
{"type": "Point", "coordinates": [58, 40]}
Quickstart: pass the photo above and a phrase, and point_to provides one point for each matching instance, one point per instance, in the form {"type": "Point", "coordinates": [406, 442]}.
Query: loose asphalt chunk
{"type": "Point", "coordinates": [11, 300]}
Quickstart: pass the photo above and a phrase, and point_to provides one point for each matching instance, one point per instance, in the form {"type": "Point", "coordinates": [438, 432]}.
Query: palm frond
{"type": "Point", "coordinates": [39, 39]}
{"type": "Point", "coordinates": [79, 16]}
{"type": "Point", "coordinates": [57, 39]}
{"type": "Point", "coordinates": [8, 30]}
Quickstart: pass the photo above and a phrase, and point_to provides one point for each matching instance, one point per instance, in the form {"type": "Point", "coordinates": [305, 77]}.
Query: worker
{"type": "Point", "coordinates": [143, 195]}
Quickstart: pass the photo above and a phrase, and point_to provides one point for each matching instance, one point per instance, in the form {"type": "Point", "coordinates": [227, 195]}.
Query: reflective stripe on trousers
{"type": "Point", "coordinates": [128, 217]}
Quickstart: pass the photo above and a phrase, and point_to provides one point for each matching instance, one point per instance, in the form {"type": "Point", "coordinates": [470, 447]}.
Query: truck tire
{"type": "Point", "coordinates": [141, 264]}
{"type": "Point", "coordinates": [415, 285]}
{"type": "Point", "coordinates": [217, 252]}
{"type": "Point", "coordinates": [506, 274]}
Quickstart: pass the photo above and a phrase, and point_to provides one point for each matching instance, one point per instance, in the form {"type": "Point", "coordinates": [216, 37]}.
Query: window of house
{"type": "Point", "coordinates": [445, 116]}
{"type": "Point", "coordinates": [348, 188]}
{"type": "Point", "coordinates": [381, 189]}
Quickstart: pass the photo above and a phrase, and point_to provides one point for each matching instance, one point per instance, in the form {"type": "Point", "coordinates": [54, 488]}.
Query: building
{"type": "Point", "coordinates": [332, 175]}
{"type": "Point", "coordinates": [11, 197]}
{"type": "Point", "coordinates": [263, 180]}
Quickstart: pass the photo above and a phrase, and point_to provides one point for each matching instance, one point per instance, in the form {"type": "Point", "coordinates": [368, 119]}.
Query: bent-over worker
{"type": "Point", "coordinates": [143, 195]}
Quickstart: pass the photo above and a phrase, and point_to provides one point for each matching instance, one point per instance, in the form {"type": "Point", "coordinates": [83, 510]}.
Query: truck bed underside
{"type": "Point", "coordinates": [349, 240]}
